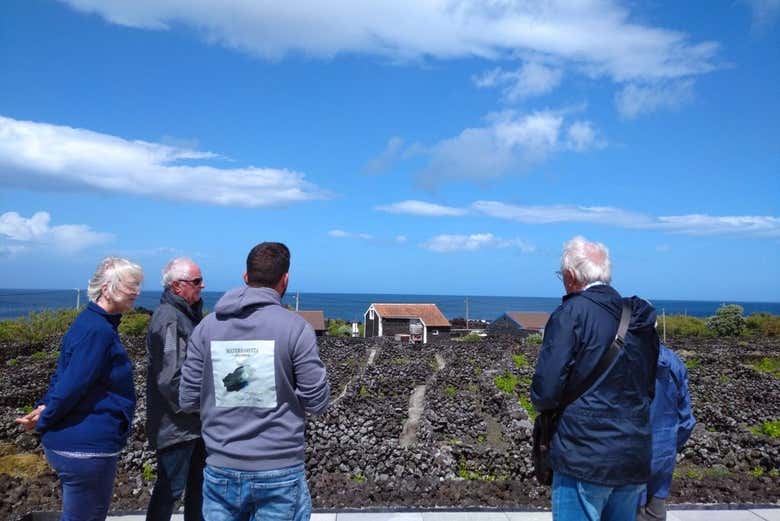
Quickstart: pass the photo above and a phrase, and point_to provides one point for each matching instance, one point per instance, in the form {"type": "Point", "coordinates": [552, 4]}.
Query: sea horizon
{"type": "Point", "coordinates": [15, 303]}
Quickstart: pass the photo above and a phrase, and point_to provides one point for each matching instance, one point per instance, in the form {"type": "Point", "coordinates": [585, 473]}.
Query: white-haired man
{"type": "Point", "coordinates": [174, 434]}
{"type": "Point", "coordinates": [600, 451]}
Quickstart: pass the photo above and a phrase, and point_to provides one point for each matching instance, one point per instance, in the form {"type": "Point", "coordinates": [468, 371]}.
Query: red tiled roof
{"type": "Point", "coordinates": [315, 318]}
{"type": "Point", "coordinates": [534, 321]}
{"type": "Point", "coordinates": [428, 313]}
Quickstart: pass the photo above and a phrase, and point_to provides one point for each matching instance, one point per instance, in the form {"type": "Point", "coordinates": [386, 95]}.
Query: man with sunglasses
{"type": "Point", "coordinates": [174, 434]}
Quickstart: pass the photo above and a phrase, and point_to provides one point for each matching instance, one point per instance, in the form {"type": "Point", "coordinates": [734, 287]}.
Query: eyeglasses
{"type": "Point", "coordinates": [195, 282]}
{"type": "Point", "coordinates": [559, 274]}
{"type": "Point", "coordinates": [129, 289]}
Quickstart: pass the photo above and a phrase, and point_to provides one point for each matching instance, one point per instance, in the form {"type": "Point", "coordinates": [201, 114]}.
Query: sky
{"type": "Point", "coordinates": [404, 146]}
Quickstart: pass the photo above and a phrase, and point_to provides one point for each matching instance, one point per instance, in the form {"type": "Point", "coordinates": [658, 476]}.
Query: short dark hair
{"type": "Point", "coordinates": [266, 264]}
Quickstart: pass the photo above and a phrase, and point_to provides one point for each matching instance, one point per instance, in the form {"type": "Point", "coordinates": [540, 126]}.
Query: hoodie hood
{"type": "Point", "coordinates": [642, 312]}
{"type": "Point", "coordinates": [239, 301]}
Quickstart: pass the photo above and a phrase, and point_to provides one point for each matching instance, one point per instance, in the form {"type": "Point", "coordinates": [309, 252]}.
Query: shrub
{"type": "Point", "coordinates": [727, 321]}
{"type": "Point", "coordinates": [768, 428]}
{"type": "Point", "coordinates": [38, 326]}
{"type": "Point", "coordinates": [338, 327]}
{"type": "Point", "coordinates": [526, 404]}
{"type": "Point", "coordinates": [506, 382]}
{"type": "Point", "coordinates": [450, 391]}
{"type": "Point", "coordinates": [471, 337]}
{"type": "Point", "coordinates": [692, 363]}
{"type": "Point", "coordinates": [683, 325]}
{"type": "Point", "coordinates": [148, 472]}
{"type": "Point", "coordinates": [134, 323]}
{"type": "Point", "coordinates": [763, 324]}
{"type": "Point", "coordinates": [534, 339]}
{"type": "Point", "coordinates": [769, 365]}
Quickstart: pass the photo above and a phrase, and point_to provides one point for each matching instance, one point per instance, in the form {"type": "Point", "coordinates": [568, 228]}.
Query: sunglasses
{"type": "Point", "coordinates": [195, 282]}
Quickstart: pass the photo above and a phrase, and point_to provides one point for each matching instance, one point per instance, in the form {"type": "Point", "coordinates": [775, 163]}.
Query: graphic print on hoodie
{"type": "Point", "coordinates": [244, 374]}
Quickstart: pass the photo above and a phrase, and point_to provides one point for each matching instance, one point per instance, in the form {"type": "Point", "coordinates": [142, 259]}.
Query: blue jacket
{"type": "Point", "coordinates": [91, 398]}
{"type": "Point", "coordinates": [604, 436]}
{"type": "Point", "coordinates": [671, 418]}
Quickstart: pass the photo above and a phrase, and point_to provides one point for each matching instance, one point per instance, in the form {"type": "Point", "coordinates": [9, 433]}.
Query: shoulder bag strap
{"type": "Point", "coordinates": [606, 359]}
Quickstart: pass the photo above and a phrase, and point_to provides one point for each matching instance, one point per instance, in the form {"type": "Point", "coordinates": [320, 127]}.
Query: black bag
{"type": "Point", "coordinates": [544, 428]}
{"type": "Point", "coordinates": [547, 421]}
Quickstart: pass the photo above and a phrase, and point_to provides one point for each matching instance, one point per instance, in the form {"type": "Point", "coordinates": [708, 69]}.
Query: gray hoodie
{"type": "Point", "coordinates": [253, 370]}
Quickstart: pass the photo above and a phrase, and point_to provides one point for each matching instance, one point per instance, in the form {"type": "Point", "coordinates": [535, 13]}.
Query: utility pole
{"type": "Point", "coordinates": [297, 299]}
{"type": "Point", "coordinates": [78, 298]}
{"type": "Point", "coordinates": [663, 318]}
{"type": "Point", "coordinates": [467, 312]}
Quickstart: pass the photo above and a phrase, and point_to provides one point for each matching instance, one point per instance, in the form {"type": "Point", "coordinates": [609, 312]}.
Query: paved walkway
{"type": "Point", "coordinates": [757, 514]}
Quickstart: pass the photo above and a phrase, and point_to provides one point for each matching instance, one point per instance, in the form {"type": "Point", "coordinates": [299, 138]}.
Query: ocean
{"type": "Point", "coordinates": [351, 306]}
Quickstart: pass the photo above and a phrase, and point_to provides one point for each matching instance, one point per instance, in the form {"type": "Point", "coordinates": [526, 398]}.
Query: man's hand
{"type": "Point", "coordinates": [29, 420]}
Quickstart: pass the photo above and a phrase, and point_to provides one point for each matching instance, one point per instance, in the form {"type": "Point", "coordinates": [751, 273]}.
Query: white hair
{"type": "Point", "coordinates": [587, 261]}
{"type": "Point", "coordinates": [176, 269]}
{"type": "Point", "coordinates": [110, 272]}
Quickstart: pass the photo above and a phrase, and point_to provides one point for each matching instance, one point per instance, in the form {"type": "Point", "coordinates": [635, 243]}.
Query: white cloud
{"type": "Point", "coordinates": [531, 79]}
{"type": "Point", "coordinates": [510, 143]}
{"type": "Point", "coordinates": [764, 13]}
{"type": "Point", "coordinates": [451, 243]}
{"type": "Point", "coordinates": [423, 208]}
{"type": "Point", "coordinates": [386, 158]}
{"type": "Point", "coordinates": [341, 234]}
{"type": "Point", "coordinates": [634, 99]}
{"type": "Point", "coordinates": [595, 35]}
{"type": "Point", "coordinates": [689, 224]}
{"type": "Point", "coordinates": [40, 155]}
{"type": "Point", "coordinates": [401, 239]}
{"type": "Point", "coordinates": [21, 234]}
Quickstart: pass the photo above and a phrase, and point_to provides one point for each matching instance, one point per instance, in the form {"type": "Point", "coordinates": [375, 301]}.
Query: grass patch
{"type": "Point", "coordinates": [466, 473]}
{"type": "Point", "coordinates": [38, 326]}
{"type": "Point", "coordinates": [134, 323]}
{"type": "Point", "coordinates": [363, 391]}
{"type": "Point", "coordinates": [473, 388]}
{"type": "Point", "coordinates": [358, 478]}
{"type": "Point", "coordinates": [506, 382]}
{"type": "Point", "coordinates": [768, 428]}
{"type": "Point", "coordinates": [534, 339]}
{"type": "Point", "coordinates": [148, 473]}
{"type": "Point", "coordinates": [471, 337]}
{"type": "Point", "coordinates": [526, 404]}
{"type": "Point", "coordinates": [26, 465]}
{"type": "Point", "coordinates": [450, 391]}
{"type": "Point", "coordinates": [692, 363]}
{"type": "Point", "coordinates": [399, 360]}
{"type": "Point", "coordinates": [683, 325]}
{"type": "Point", "coordinates": [769, 365]}
{"type": "Point", "coordinates": [520, 361]}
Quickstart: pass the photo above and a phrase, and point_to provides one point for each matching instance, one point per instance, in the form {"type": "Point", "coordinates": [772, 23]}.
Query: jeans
{"type": "Point", "coordinates": [236, 495]}
{"type": "Point", "coordinates": [576, 500]}
{"type": "Point", "coordinates": [87, 484]}
{"type": "Point", "coordinates": [179, 469]}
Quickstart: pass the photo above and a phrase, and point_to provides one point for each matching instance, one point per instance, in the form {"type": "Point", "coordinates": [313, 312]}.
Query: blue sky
{"type": "Point", "coordinates": [446, 147]}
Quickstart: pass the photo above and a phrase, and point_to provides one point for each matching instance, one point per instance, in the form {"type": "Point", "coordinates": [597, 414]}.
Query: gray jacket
{"type": "Point", "coordinates": [253, 370]}
{"type": "Point", "coordinates": [166, 346]}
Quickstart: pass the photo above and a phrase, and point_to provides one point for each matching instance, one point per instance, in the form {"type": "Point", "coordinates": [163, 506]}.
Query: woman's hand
{"type": "Point", "coordinates": [29, 420]}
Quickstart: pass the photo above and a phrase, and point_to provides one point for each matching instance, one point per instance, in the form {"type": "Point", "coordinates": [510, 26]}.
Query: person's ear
{"type": "Point", "coordinates": [246, 278]}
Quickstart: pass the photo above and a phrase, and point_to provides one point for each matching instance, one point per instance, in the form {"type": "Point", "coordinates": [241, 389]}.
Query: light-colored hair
{"type": "Point", "coordinates": [176, 269]}
{"type": "Point", "coordinates": [112, 271]}
{"type": "Point", "coordinates": [588, 261]}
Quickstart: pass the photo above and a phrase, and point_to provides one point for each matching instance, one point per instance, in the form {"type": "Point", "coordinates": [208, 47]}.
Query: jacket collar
{"type": "Point", "coordinates": [111, 318]}
{"type": "Point", "coordinates": [194, 311]}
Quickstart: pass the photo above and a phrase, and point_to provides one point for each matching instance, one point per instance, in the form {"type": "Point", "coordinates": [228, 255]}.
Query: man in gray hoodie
{"type": "Point", "coordinates": [253, 370]}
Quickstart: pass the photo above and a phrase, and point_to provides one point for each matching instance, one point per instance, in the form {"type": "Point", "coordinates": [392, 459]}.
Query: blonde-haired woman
{"type": "Point", "coordinates": [87, 413]}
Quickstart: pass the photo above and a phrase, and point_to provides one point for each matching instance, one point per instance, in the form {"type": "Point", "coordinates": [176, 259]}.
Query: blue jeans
{"type": "Point", "coordinates": [86, 484]}
{"type": "Point", "coordinates": [576, 500]}
{"type": "Point", "coordinates": [236, 495]}
{"type": "Point", "coordinates": [179, 469]}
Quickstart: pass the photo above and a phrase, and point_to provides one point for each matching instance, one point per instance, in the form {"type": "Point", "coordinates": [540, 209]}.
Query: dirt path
{"type": "Point", "coordinates": [416, 408]}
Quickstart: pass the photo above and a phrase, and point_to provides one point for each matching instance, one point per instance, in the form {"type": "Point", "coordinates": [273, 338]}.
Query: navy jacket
{"type": "Point", "coordinates": [91, 398]}
{"type": "Point", "coordinates": [604, 436]}
{"type": "Point", "coordinates": [671, 418]}
{"type": "Point", "coordinates": [166, 346]}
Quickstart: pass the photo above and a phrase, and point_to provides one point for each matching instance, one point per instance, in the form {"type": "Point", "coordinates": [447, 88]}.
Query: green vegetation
{"type": "Point", "coordinates": [358, 478]}
{"type": "Point", "coordinates": [37, 326]}
{"type": "Point", "coordinates": [450, 391]}
{"type": "Point", "coordinates": [526, 404]}
{"type": "Point", "coordinates": [473, 388]}
{"type": "Point", "coordinates": [363, 391]}
{"type": "Point", "coordinates": [148, 472]}
{"type": "Point", "coordinates": [26, 465]}
{"type": "Point", "coordinates": [763, 324]}
{"type": "Point", "coordinates": [399, 360]}
{"type": "Point", "coordinates": [466, 473]}
{"type": "Point", "coordinates": [768, 428]}
{"type": "Point", "coordinates": [683, 325]}
{"type": "Point", "coordinates": [769, 365]}
{"type": "Point", "coordinates": [39, 355]}
{"type": "Point", "coordinates": [520, 361]}
{"type": "Point", "coordinates": [471, 337]}
{"type": "Point", "coordinates": [692, 363]}
{"type": "Point", "coordinates": [13, 362]}
{"type": "Point", "coordinates": [338, 327]}
{"type": "Point", "coordinates": [134, 323]}
{"type": "Point", "coordinates": [481, 439]}
{"type": "Point", "coordinates": [724, 379]}
{"type": "Point", "coordinates": [757, 472]}
{"type": "Point", "coordinates": [727, 321]}
{"type": "Point", "coordinates": [717, 471]}
{"type": "Point", "coordinates": [534, 339]}
{"type": "Point", "coordinates": [506, 382]}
